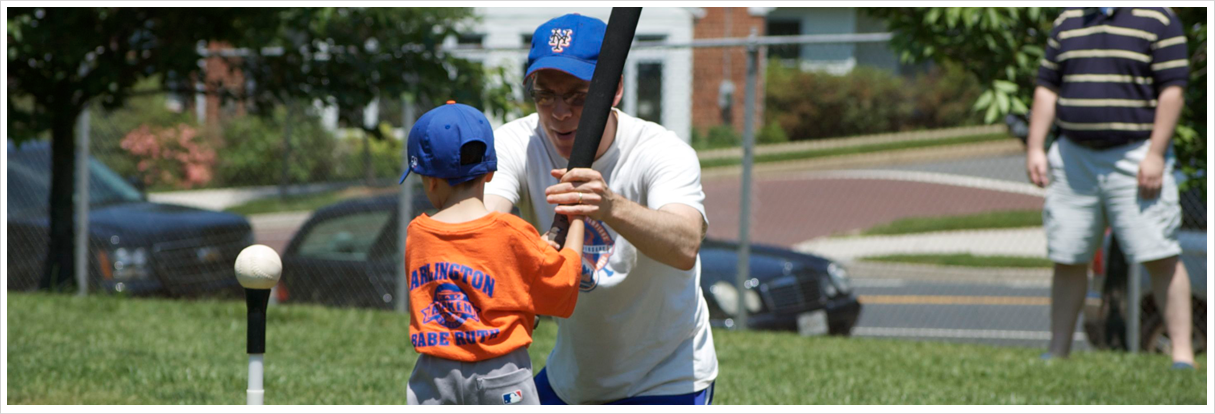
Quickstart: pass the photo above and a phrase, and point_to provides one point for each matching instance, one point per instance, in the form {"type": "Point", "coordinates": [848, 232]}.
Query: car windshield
{"type": "Point", "coordinates": [29, 182]}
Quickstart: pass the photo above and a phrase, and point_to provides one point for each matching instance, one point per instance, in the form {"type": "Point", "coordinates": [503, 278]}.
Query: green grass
{"type": "Point", "coordinates": [111, 350]}
{"type": "Point", "coordinates": [989, 220]}
{"type": "Point", "coordinates": [860, 149]}
{"type": "Point", "coordinates": [304, 202]}
{"type": "Point", "coordinates": [963, 259]}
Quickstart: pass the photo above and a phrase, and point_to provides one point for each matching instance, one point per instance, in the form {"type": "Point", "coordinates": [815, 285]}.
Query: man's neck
{"type": "Point", "coordinates": [609, 135]}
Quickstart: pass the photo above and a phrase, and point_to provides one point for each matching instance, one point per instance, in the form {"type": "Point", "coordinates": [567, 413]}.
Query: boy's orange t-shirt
{"type": "Point", "coordinates": [476, 287]}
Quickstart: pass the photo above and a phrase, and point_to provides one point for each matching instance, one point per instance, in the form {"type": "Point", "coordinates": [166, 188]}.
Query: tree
{"type": "Point", "coordinates": [1002, 47]}
{"type": "Point", "coordinates": [343, 56]}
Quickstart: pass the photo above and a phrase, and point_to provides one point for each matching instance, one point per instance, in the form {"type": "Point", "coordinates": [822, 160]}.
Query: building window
{"type": "Point", "coordinates": [649, 91]}
{"type": "Point", "coordinates": [788, 53]}
{"type": "Point", "coordinates": [469, 40]}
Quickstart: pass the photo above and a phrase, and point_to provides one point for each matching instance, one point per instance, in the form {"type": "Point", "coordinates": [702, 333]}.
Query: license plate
{"type": "Point", "coordinates": [812, 323]}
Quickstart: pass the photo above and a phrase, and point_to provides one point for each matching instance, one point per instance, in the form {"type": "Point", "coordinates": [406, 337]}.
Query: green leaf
{"type": "Point", "coordinates": [1002, 102]}
{"type": "Point", "coordinates": [992, 113]}
{"type": "Point", "coordinates": [1019, 107]}
{"type": "Point", "coordinates": [951, 16]}
{"type": "Point", "coordinates": [1005, 86]}
{"type": "Point", "coordinates": [984, 100]}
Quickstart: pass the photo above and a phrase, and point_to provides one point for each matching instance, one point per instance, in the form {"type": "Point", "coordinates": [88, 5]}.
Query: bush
{"type": "Point", "coordinates": [385, 156]}
{"type": "Point", "coordinates": [176, 157]}
{"type": "Point", "coordinates": [809, 105]}
{"type": "Point", "coordinates": [253, 150]}
{"type": "Point", "coordinates": [772, 133]}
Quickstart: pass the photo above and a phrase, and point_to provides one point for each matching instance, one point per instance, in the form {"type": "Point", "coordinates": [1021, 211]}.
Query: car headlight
{"type": "Point", "coordinates": [131, 263]}
{"type": "Point", "coordinates": [839, 278]}
{"type": "Point", "coordinates": [726, 296]}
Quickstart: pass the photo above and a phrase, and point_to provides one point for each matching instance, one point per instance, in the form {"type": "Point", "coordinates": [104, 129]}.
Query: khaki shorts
{"type": "Point", "coordinates": [497, 381]}
{"type": "Point", "coordinates": [1092, 189]}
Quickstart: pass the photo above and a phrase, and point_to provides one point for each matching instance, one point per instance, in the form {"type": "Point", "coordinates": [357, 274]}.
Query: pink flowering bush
{"type": "Point", "coordinates": [171, 156]}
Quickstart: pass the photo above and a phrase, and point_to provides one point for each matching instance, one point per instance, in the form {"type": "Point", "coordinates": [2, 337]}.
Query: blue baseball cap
{"type": "Point", "coordinates": [569, 43]}
{"type": "Point", "coordinates": [436, 138]}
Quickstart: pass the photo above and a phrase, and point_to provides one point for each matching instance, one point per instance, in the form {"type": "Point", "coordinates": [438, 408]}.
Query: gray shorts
{"type": "Point", "coordinates": [503, 380]}
{"type": "Point", "coordinates": [1091, 189]}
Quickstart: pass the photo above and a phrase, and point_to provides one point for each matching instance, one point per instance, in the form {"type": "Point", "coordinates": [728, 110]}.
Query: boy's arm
{"type": "Point", "coordinates": [554, 288]}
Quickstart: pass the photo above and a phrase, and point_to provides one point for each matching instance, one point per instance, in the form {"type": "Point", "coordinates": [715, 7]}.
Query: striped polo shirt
{"type": "Point", "coordinates": [1109, 69]}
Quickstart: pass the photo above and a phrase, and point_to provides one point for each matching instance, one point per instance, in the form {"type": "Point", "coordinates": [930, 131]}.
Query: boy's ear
{"type": "Point", "coordinates": [431, 183]}
{"type": "Point", "coordinates": [489, 176]}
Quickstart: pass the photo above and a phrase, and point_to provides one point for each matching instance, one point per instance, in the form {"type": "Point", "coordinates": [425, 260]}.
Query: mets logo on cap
{"type": "Point", "coordinates": [560, 39]}
{"type": "Point", "coordinates": [450, 308]}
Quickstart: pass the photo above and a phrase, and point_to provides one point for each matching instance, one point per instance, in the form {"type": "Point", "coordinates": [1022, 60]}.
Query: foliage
{"type": "Point", "coordinates": [1003, 48]}
{"type": "Point", "coordinates": [177, 156]}
{"type": "Point", "coordinates": [254, 152]}
{"type": "Point", "coordinates": [100, 350]}
{"type": "Point", "coordinates": [864, 101]}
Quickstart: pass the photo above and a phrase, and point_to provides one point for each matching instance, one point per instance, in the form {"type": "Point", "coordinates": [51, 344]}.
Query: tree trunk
{"type": "Point", "coordinates": [60, 260]}
{"type": "Point", "coordinates": [368, 169]}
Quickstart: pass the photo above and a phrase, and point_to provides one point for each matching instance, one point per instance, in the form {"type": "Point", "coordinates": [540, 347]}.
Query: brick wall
{"type": "Point", "coordinates": [709, 68]}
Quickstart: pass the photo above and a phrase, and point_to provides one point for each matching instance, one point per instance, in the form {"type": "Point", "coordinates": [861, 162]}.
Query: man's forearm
{"type": "Point", "coordinates": [670, 237]}
{"type": "Point", "coordinates": [1168, 110]}
{"type": "Point", "coordinates": [1041, 117]}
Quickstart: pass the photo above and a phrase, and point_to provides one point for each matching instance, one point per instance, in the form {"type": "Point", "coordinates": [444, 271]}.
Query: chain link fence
{"type": "Point", "coordinates": [880, 167]}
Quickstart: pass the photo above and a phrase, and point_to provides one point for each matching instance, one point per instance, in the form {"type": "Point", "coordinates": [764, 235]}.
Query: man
{"type": "Point", "coordinates": [1115, 79]}
{"type": "Point", "coordinates": [640, 332]}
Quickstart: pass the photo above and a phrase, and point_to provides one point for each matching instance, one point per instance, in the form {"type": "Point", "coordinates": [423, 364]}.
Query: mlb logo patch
{"type": "Point", "coordinates": [514, 397]}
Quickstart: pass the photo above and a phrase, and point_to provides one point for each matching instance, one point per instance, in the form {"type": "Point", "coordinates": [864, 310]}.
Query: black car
{"type": "Point", "coordinates": [135, 246]}
{"type": "Point", "coordinates": [347, 254]}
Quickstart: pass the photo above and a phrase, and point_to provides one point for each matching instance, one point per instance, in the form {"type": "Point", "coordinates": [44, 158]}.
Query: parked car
{"type": "Point", "coordinates": [346, 254]}
{"type": "Point", "coordinates": [135, 246]}
{"type": "Point", "coordinates": [1105, 310]}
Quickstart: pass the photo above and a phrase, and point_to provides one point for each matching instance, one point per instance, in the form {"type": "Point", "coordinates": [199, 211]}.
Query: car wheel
{"type": "Point", "coordinates": [1154, 337]}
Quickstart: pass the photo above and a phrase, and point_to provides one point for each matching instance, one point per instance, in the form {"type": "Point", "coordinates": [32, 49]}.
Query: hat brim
{"type": "Point", "coordinates": [578, 68]}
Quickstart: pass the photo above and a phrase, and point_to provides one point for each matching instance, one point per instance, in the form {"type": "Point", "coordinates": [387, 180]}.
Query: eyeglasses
{"type": "Point", "coordinates": [548, 98]}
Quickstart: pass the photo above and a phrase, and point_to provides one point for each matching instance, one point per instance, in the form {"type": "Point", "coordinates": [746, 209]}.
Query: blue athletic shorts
{"type": "Point", "coordinates": [702, 397]}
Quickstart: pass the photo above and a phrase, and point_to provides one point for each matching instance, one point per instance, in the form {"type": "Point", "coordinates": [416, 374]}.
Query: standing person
{"type": "Point", "coordinates": [1113, 79]}
{"type": "Point", "coordinates": [641, 332]}
{"type": "Point", "coordinates": [477, 278]}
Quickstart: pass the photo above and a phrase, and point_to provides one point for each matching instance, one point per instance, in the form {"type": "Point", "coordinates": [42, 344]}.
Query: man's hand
{"type": "Point", "coordinates": [1151, 175]}
{"type": "Point", "coordinates": [582, 192]}
{"type": "Point", "coordinates": [1037, 167]}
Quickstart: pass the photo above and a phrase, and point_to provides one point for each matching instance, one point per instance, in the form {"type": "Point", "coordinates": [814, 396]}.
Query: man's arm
{"type": "Point", "coordinates": [498, 203]}
{"type": "Point", "coordinates": [1151, 169]}
{"type": "Point", "coordinates": [670, 234]}
{"type": "Point", "coordinates": [1040, 119]}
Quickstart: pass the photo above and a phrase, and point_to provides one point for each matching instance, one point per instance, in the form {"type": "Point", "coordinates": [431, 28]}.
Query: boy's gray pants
{"type": "Point", "coordinates": [503, 380]}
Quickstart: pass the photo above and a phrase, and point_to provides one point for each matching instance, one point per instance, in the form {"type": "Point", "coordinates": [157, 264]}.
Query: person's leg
{"type": "Point", "coordinates": [1074, 220]}
{"type": "Point", "coordinates": [1067, 293]}
{"type": "Point", "coordinates": [1171, 289]}
{"type": "Point", "coordinates": [702, 397]}
{"type": "Point", "coordinates": [545, 390]}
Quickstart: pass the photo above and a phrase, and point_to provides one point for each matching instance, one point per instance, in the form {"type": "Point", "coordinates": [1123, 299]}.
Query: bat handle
{"type": "Point", "coordinates": [561, 227]}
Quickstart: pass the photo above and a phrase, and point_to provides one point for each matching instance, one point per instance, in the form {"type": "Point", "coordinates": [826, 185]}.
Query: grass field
{"type": "Point", "coordinates": [990, 220]}
{"type": "Point", "coordinates": [859, 149]}
{"type": "Point", "coordinates": [111, 350]}
{"type": "Point", "coordinates": [963, 259]}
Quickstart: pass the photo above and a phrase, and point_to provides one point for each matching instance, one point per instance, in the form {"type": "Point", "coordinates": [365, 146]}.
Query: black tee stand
{"type": "Point", "coordinates": [256, 301]}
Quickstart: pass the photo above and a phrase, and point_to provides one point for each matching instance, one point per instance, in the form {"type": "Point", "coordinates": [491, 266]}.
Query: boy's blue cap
{"type": "Point", "coordinates": [436, 138]}
{"type": "Point", "coordinates": [569, 43]}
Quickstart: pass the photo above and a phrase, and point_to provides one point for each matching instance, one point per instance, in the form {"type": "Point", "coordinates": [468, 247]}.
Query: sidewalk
{"type": "Point", "coordinates": [1021, 242]}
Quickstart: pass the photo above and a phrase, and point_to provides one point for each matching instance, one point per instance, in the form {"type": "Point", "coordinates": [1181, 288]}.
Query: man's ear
{"type": "Point", "coordinates": [619, 92]}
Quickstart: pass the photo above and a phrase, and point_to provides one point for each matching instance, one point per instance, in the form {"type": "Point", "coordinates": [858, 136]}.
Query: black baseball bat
{"type": "Point", "coordinates": [617, 40]}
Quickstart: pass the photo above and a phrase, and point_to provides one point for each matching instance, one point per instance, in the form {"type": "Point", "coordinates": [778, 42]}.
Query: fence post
{"type": "Point", "coordinates": [744, 219]}
{"type": "Point", "coordinates": [405, 208]}
{"type": "Point", "coordinates": [1132, 305]}
{"type": "Point", "coordinates": [82, 203]}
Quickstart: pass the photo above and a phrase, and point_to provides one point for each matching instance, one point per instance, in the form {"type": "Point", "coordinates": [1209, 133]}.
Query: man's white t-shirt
{"type": "Point", "coordinates": [640, 327]}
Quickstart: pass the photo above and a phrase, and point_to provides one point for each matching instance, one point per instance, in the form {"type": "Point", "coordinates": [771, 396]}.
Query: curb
{"type": "Point", "coordinates": [884, 158]}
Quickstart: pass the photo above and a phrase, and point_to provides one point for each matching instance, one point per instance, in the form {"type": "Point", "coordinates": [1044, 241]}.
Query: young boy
{"type": "Point", "coordinates": [477, 279]}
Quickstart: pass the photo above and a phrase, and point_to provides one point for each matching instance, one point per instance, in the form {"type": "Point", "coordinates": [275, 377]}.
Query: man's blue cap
{"type": "Point", "coordinates": [569, 43]}
{"type": "Point", "coordinates": [436, 138]}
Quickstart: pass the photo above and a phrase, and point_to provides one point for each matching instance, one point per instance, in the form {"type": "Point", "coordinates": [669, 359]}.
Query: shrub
{"type": "Point", "coordinates": [253, 150]}
{"type": "Point", "coordinates": [177, 157]}
{"type": "Point", "coordinates": [809, 105]}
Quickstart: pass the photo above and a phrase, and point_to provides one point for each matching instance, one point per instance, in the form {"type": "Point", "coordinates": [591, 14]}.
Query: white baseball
{"type": "Point", "coordinates": [258, 267]}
